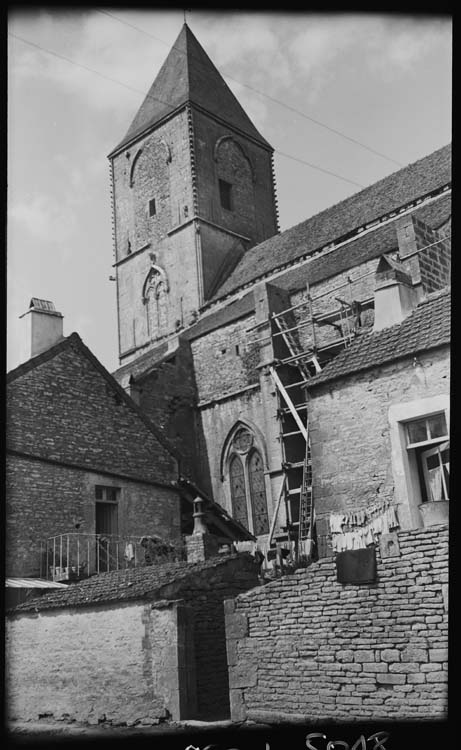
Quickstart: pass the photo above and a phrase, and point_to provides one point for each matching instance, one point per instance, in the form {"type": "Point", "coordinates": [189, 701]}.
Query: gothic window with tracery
{"type": "Point", "coordinates": [238, 493]}
{"type": "Point", "coordinates": [258, 493]}
{"type": "Point", "coordinates": [247, 482]}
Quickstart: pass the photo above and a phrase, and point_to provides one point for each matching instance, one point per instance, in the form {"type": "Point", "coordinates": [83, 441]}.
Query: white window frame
{"type": "Point", "coordinates": [404, 468]}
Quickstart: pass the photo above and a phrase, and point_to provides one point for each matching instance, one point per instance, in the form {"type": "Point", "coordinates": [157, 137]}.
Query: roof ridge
{"type": "Point", "coordinates": [333, 370]}
{"type": "Point", "coordinates": [74, 339]}
{"type": "Point", "coordinates": [426, 179]}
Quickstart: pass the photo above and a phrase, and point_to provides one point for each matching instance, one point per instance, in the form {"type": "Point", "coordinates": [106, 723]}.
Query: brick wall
{"type": "Point", "coordinates": [430, 266]}
{"type": "Point", "coordinates": [64, 409]}
{"type": "Point", "coordinates": [435, 261]}
{"type": "Point", "coordinates": [43, 500]}
{"type": "Point", "coordinates": [129, 662]}
{"type": "Point", "coordinates": [308, 647]}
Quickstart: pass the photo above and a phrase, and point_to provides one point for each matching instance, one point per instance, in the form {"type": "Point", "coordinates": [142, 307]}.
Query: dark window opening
{"type": "Point", "coordinates": [152, 207]}
{"type": "Point", "coordinates": [225, 195]}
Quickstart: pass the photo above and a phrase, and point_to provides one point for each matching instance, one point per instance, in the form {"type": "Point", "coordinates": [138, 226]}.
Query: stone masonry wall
{"type": "Point", "coordinates": [254, 214]}
{"type": "Point", "coordinates": [91, 664]}
{"type": "Point", "coordinates": [224, 361]}
{"type": "Point", "coordinates": [43, 500]}
{"type": "Point", "coordinates": [129, 662]}
{"type": "Point", "coordinates": [65, 410]}
{"type": "Point", "coordinates": [167, 396]}
{"type": "Point", "coordinates": [306, 646]}
{"type": "Point", "coordinates": [350, 431]}
{"type": "Point", "coordinates": [205, 594]}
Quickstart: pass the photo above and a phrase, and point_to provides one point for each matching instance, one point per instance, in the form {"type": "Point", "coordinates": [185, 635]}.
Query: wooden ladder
{"type": "Point", "coordinates": [305, 503]}
{"type": "Point", "coordinates": [298, 357]}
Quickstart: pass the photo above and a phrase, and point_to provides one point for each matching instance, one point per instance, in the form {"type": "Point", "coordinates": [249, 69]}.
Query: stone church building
{"type": "Point", "coordinates": [223, 320]}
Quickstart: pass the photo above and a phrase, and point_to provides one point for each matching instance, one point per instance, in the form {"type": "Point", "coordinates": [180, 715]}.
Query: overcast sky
{"type": "Point", "coordinates": [382, 80]}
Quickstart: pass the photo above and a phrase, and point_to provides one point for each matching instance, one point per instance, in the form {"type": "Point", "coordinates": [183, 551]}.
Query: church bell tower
{"type": "Point", "coordinates": [192, 190]}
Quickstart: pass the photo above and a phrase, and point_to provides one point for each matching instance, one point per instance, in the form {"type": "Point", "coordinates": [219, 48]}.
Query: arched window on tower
{"type": "Point", "coordinates": [246, 479]}
{"type": "Point", "coordinates": [155, 295]}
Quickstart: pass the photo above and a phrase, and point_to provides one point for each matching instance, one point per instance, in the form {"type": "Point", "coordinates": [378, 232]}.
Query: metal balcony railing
{"type": "Point", "coordinates": [73, 556]}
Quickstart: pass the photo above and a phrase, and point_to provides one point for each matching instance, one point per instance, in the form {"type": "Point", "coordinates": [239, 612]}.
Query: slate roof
{"type": "Point", "coordinates": [337, 222]}
{"type": "Point", "coordinates": [426, 328]}
{"type": "Point", "coordinates": [188, 75]}
{"type": "Point", "coordinates": [121, 585]}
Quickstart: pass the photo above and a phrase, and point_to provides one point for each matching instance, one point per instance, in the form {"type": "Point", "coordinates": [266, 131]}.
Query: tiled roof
{"type": "Point", "coordinates": [75, 341]}
{"type": "Point", "coordinates": [120, 585]}
{"type": "Point", "coordinates": [426, 328]}
{"type": "Point", "coordinates": [366, 247]}
{"type": "Point", "coordinates": [383, 197]}
{"type": "Point", "coordinates": [189, 75]}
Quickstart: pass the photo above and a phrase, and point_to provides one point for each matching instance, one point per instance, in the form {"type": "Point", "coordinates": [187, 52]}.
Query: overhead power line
{"type": "Point", "coordinates": [262, 93]}
{"type": "Point", "coordinates": [138, 91]}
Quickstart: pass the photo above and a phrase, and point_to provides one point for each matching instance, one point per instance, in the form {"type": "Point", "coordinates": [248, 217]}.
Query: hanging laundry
{"type": "Point", "coordinates": [129, 552]}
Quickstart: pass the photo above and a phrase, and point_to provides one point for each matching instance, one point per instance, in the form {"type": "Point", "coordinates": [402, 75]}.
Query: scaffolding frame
{"type": "Point", "coordinates": [307, 362]}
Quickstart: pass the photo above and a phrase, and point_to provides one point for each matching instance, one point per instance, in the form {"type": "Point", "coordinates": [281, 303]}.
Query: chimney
{"type": "Point", "coordinates": [200, 545]}
{"type": "Point", "coordinates": [44, 327]}
{"type": "Point", "coordinates": [395, 297]}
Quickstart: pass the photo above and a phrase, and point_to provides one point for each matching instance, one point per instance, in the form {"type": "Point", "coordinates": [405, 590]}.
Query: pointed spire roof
{"type": "Point", "coordinates": [189, 75]}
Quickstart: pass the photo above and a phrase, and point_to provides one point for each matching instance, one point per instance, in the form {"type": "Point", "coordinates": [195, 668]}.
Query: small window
{"type": "Point", "coordinates": [152, 207]}
{"type": "Point", "coordinates": [429, 448]}
{"type": "Point", "coordinates": [225, 194]}
{"type": "Point", "coordinates": [106, 494]}
{"type": "Point", "coordinates": [426, 429]}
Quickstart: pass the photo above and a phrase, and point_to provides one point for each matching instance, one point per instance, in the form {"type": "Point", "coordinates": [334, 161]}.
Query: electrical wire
{"type": "Point", "coordinates": [150, 96]}
{"type": "Point", "coordinates": [262, 93]}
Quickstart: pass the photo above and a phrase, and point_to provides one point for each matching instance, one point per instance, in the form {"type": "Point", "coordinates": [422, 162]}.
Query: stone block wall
{"type": "Point", "coordinates": [350, 431]}
{"type": "Point", "coordinates": [223, 360]}
{"type": "Point", "coordinates": [306, 646]}
{"type": "Point", "coordinates": [247, 166]}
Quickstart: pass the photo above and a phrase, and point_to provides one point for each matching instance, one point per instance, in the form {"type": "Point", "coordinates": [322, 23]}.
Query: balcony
{"type": "Point", "coordinates": [74, 556]}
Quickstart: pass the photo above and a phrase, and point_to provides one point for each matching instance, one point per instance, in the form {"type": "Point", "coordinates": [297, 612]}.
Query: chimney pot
{"type": "Point", "coordinates": [44, 327]}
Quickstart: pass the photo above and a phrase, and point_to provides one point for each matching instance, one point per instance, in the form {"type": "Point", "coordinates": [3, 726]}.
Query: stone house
{"type": "Point", "coordinates": [90, 480]}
